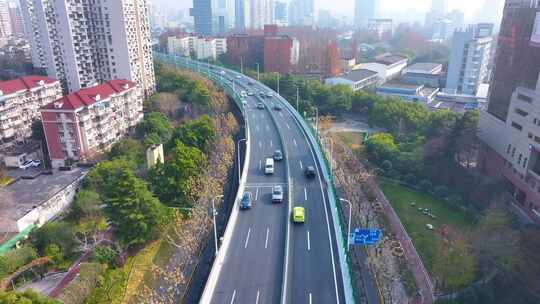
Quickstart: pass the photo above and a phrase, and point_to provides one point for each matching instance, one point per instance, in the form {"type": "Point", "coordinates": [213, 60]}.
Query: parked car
{"type": "Point", "coordinates": [278, 155]}
{"type": "Point", "coordinates": [310, 172]}
{"type": "Point", "coordinates": [277, 194]}
{"type": "Point", "coordinates": [29, 164]}
{"type": "Point", "coordinates": [299, 215]}
{"type": "Point", "coordinates": [245, 203]}
{"type": "Point", "coordinates": [260, 106]}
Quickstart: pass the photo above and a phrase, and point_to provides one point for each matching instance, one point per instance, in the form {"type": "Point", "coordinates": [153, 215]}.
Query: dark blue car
{"type": "Point", "coordinates": [245, 203]}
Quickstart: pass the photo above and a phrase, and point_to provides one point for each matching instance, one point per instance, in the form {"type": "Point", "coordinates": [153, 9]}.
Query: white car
{"type": "Point", "coordinates": [30, 163]}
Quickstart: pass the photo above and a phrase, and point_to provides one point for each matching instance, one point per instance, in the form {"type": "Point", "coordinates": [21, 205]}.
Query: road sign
{"type": "Point", "coordinates": [365, 236]}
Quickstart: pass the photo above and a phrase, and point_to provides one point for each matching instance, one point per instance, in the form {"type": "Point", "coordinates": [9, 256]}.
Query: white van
{"type": "Point", "coordinates": [269, 166]}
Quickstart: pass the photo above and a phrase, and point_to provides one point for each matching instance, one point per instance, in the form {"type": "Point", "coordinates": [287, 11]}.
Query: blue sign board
{"type": "Point", "coordinates": [365, 236]}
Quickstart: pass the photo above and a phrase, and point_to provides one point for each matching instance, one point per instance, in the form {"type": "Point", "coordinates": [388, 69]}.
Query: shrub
{"type": "Point", "coordinates": [104, 255]}
{"type": "Point", "coordinates": [27, 296]}
{"type": "Point", "coordinates": [455, 200]}
{"type": "Point", "coordinates": [410, 179]}
{"type": "Point", "coordinates": [53, 251]}
{"type": "Point", "coordinates": [441, 191]}
{"type": "Point", "coordinates": [426, 185]}
{"type": "Point", "coordinates": [80, 288]}
{"type": "Point", "coordinates": [386, 165]}
{"type": "Point", "coordinates": [14, 259]}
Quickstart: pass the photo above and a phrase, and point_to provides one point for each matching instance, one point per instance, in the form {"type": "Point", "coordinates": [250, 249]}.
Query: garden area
{"type": "Point", "coordinates": [446, 221]}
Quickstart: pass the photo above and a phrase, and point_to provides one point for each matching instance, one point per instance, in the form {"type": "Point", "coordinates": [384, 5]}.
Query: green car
{"type": "Point", "coordinates": [299, 215]}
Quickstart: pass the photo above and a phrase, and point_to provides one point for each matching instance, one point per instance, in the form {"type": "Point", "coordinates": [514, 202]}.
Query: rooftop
{"type": "Point", "coordinates": [88, 96]}
{"type": "Point", "coordinates": [425, 67]}
{"type": "Point", "coordinates": [24, 83]}
{"type": "Point", "coordinates": [400, 85]}
{"type": "Point", "coordinates": [390, 59]}
{"type": "Point", "coordinates": [359, 75]}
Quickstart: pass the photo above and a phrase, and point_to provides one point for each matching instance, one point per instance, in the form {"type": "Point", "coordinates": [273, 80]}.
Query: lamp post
{"type": "Point", "coordinates": [258, 72]}
{"type": "Point", "coordinates": [214, 213]}
{"type": "Point", "coordinates": [317, 121]}
{"type": "Point", "coordinates": [278, 83]}
{"type": "Point", "coordinates": [349, 226]}
{"type": "Point", "coordinates": [238, 146]}
{"type": "Point", "coordinates": [297, 98]}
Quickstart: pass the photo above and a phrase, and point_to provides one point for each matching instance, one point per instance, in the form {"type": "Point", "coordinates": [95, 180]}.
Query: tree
{"type": "Point", "coordinates": [173, 182]}
{"type": "Point", "coordinates": [198, 133]}
{"type": "Point", "coordinates": [54, 252]}
{"type": "Point", "coordinates": [59, 233]}
{"type": "Point", "coordinates": [381, 147]}
{"type": "Point", "coordinates": [86, 204]}
{"type": "Point", "coordinates": [155, 123]}
{"type": "Point", "coordinates": [454, 263]}
{"type": "Point", "coordinates": [128, 149]}
{"type": "Point", "coordinates": [133, 210]}
{"type": "Point", "coordinates": [26, 297]}
{"type": "Point", "coordinates": [166, 103]}
{"type": "Point", "coordinates": [441, 191]}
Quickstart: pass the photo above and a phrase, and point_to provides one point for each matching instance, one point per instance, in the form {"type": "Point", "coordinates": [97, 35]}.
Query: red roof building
{"type": "Point", "coordinates": [20, 100]}
{"type": "Point", "coordinates": [80, 124]}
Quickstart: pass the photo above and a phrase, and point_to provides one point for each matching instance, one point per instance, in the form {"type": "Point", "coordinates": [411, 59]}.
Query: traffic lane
{"type": "Point", "coordinates": [254, 261]}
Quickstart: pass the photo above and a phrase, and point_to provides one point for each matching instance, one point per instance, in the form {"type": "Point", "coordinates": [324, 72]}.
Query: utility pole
{"type": "Point", "coordinates": [214, 213]}
{"type": "Point", "coordinates": [278, 83]}
{"type": "Point", "coordinates": [241, 65]}
{"type": "Point", "coordinates": [258, 73]}
{"type": "Point", "coordinates": [349, 226]}
{"type": "Point", "coordinates": [297, 98]}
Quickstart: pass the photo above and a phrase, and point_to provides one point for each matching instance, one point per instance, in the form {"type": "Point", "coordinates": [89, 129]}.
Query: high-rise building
{"type": "Point", "coordinates": [261, 13]}
{"type": "Point", "coordinates": [439, 6]}
{"type": "Point", "coordinates": [204, 17]}
{"type": "Point", "coordinates": [242, 15]}
{"type": "Point", "coordinates": [365, 10]}
{"type": "Point", "coordinates": [5, 24]}
{"type": "Point", "coordinates": [16, 20]}
{"type": "Point", "coordinates": [510, 128]}
{"type": "Point", "coordinates": [301, 12]}
{"type": "Point", "coordinates": [83, 43]}
{"type": "Point", "coordinates": [469, 59]}
{"type": "Point", "coordinates": [281, 13]}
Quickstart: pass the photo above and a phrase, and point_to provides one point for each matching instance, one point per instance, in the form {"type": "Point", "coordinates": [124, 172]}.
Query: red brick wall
{"type": "Point", "coordinates": [277, 55]}
{"type": "Point", "coordinates": [51, 134]}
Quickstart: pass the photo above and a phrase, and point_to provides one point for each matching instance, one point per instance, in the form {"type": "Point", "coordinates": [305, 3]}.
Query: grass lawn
{"type": "Point", "coordinates": [353, 140]}
{"type": "Point", "coordinates": [415, 221]}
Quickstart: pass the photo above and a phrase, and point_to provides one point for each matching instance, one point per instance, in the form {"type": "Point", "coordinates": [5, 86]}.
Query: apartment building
{"type": "Point", "coordinates": [5, 24]}
{"type": "Point", "coordinates": [469, 59]}
{"type": "Point", "coordinates": [199, 47]}
{"type": "Point", "coordinates": [20, 100]}
{"type": "Point", "coordinates": [510, 128]}
{"type": "Point", "coordinates": [80, 124]}
{"type": "Point", "coordinates": [83, 43]}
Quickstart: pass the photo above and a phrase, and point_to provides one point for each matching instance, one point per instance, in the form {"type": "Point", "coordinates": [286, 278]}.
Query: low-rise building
{"type": "Point", "coordinates": [408, 92]}
{"type": "Point", "coordinates": [395, 64]}
{"type": "Point", "coordinates": [80, 124]}
{"type": "Point", "coordinates": [198, 47]}
{"type": "Point", "coordinates": [20, 100]}
{"type": "Point", "coordinates": [425, 73]}
{"type": "Point", "coordinates": [357, 79]}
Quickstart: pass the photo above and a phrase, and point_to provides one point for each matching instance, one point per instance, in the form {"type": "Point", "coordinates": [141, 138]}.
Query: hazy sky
{"type": "Point", "coordinates": [346, 7]}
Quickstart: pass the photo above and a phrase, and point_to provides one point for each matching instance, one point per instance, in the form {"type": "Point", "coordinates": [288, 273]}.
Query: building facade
{"type": "Point", "coordinates": [20, 100]}
{"type": "Point", "coordinates": [5, 22]}
{"type": "Point", "coordinates": [16, 20]}
{"type": "Point", "coordinates": [198, 47]}
{"type": "Point", "coordinates": [365, 10]}
{"type": "Point", "coordinates": [301, 12]}
{"type": "Point", "coordinates": [510, 128]}
{"type": "Point", "coordinates": [469, 59]}
{"type": "Point", "coordinates": [356, 80]}
{"type": "Point", "coordinates": [80, 124]}
{"type": "Point", "coordinates": [82, 43]}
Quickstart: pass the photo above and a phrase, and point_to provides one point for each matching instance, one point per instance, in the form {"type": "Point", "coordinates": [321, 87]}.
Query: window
{"type": "Point", "coordinates": [517, 126]}
{"type": "Point", "coordinates": [524, 98]}
{"type": "Point", "coordinates": [508, 149]}
{"type": "Point", "coordinates": [519, 159]}
{"type": "Point", "coordinates": [520, 112]}
{"type": "Point", "coordinates": [513, 152]}
{"type": "Point", "coordinates": [525, 162]}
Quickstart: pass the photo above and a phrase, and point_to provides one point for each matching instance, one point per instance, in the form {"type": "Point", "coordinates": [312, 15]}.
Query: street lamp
{"type": "Point", "coordinates": [214, 213]}
{"type": "Point", "coordinates": [278, 83]}
{"type": "Point", "coordinates": [258, 73]}
{"type": "Point", "coordinates": [238, 146]}
{"type": "Point", "coordinates": [349, 226]}
{"type": "Point", "coordinates": [297, 98]}
{"type": "Point", "coordinates": [317, 120]}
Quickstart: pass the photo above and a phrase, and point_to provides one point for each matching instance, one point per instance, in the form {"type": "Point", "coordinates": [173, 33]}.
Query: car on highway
{"type": "Point", "coordinates": [250, 93]}
{"type": "Point", "coordinates": [277, 194]}
{"type": "Point", "coordinates": [278, 155]}
{"type": "Point", "coordinates": [310, 172]}
{"type": "Point", "coordinates": [30, 163]}
{"type": "Point", "coordinates": [238, 77]}
{"type": "Point", "coordinates": [260, 106]}
{"type": "Point", "coordinates": [299, 215]}
{"type": "Point", "coordinates": [262, 94]}
{"type": "Point", "coordinates": [269, 95]}
{"type": "Point", "coordinates": [277, 107]}
{"type": "Point", "coordinates": [251, 83]}
{"type": "Point", "coordinates": [246, 203]}
{"type": "Point", "coordinates": [269, 166]}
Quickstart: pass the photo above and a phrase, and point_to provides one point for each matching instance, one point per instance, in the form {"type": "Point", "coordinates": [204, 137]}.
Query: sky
{"type": "Point", "coordinates": [346, 7]}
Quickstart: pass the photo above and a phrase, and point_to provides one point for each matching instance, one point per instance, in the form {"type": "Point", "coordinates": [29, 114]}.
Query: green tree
{"type": "Point", "coordinates": [86, 204]}
{"type": "Point", "coordinates": [54, 252]}
{"type": "Point", "coordinates": [198, 133]}
{"type": "Point", "coordinates": [454, 263]}
{"type": "Point", "coordinates": [381, 147]}
{"type": "Point", "coordinates": [13, 259]}
{"type": "Point", "coordinates": [59, 233]}
{"type": "Point", "coordinates": [128, 149]}
{"type": "Point", "coordinates": [104, 255]}
{"type": "Point", "coordinates": [26, 297]}
{"type": "Point", "coordinates": [172, 182]}
{"type": "Point", "coordinates": [155, 123]}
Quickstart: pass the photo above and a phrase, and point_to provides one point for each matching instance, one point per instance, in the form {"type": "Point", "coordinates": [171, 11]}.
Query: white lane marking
{"type": "Point", "coordinates": [257, 299]}
{"type": "Point", "coordinates": [281, 114]}
{"type": "Point", "coordinates": [267, 234]}
{"type": "Point", "coordinates": [247, 238]}
{"type": "Point", "coordinates": [271, 143]}
{"type": "Point", "coordinates": [257, 194]}
{"type": "Point", "coordinates": [310, 298]}
{"type": "Point", "coordinates": [260, 144]}
{"type": "Point", "coordinates": [288, 127]}
{"type": "Point", "coordinates": [233, 296]}
{"type": "Point", "coordinates": [260, 164]}
{"type": "Point", "coordinates": [305, 194]}
{"type": "Point", "coordinates": [294, 141]}
{"type": "Point", "coordinates": [301, 166]}
{"type": "Point", "coordinates": [308, 242]}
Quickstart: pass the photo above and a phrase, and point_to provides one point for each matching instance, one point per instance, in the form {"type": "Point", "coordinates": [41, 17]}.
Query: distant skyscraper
{"type": "Point", "coordinates": [365, 10]}
{"type": "Point", "coordinates": [261, 13]}
{"type": "Point", "coordinates": [15, 18]}
{"type": "Point", "coordinates": [439, 6]}
{"type": "Point", "coordinates": [5, 25]}
{"type": "Point", "coordinates": [301, 12]}
{"type": "Point", "coordinates": [457, 17]}
{"type": "Point", "coordinates": [204, 17]}
{"type": "Point", "coordinates": [242, 14]}
{"type": "Point", "coordinates": [469, 59]}
{"type": "Point", "coordinates": [281, 13]}
{"type": "Point", "coordinates": [116, 46]}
